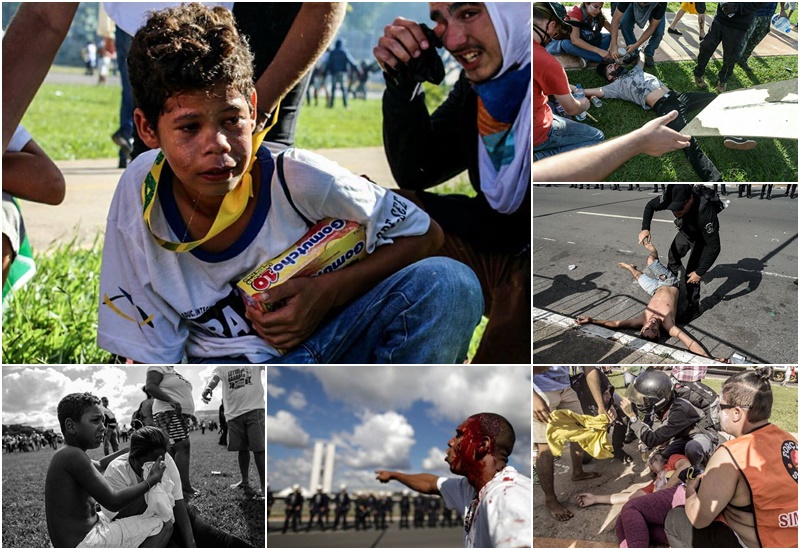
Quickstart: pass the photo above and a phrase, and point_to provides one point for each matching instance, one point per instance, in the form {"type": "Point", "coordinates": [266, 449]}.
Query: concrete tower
{"type": "Point", "coordinates": [322, 467]}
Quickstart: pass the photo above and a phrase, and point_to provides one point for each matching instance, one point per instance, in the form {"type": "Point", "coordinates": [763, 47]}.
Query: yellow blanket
{"type": "Point", "coordinates": [590, 432]}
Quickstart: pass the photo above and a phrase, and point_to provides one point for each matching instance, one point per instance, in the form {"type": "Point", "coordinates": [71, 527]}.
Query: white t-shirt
{"type": "Point", "coordinates": [156, 305]}
{"type": "Point", "coordinates": [242, 390]}
{"type": "Point", "coordinates": [175, 386]}
{"type": "Point", "coordinates": [19, 140]}
{"type": "Point", "coordinates": [503, 516]}
{"type": "Point", "coordinates": [120, 475]}
{"type": "Point", "coordinates": [130, 16]}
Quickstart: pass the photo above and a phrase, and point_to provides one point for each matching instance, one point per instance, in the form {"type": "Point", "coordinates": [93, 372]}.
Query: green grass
{"type": "Point", "coordinates": [75, 121]}
{"type": "Point", "coordinates": [24, 521]}
{"type": "Point", "coordinates": [711, 9]}
{"type": "Point", "coordinates": [71, 121]}
{"type": "Point", "coordinates": [784, 405]}
{"type": "Point", "coordinates": [774, 160]}
{"type": "Point", "coordinates": [62, 327]}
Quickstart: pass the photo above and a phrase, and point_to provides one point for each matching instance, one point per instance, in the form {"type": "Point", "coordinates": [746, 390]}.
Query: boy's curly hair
{"type": "Point", "coordinates": [187, 48]}
{"type": "Point", "coordinates": [73, 406]}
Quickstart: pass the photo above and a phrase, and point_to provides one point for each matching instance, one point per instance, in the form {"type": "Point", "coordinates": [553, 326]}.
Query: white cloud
{"type": "Point", "coordinates": [454, 392]}
{"type": "Point", "coordinates": [297, 400]}
{"type": "Point", "coordinates": [434, 463]}
{"type": "Point", "coordinates": [381, 441]}
{"type": "Point", "coordinates": [284, 429]}
{"type": "Point", "coordinates": [282, 473]}
{"type": "Point", "coordinates": [275, 391]}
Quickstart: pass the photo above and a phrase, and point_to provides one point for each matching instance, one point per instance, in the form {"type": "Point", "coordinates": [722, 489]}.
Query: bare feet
{"type": "Point", "coordinates": [585, 475]}
{"type": "Point", "coordinates": [629, 267]}
{"type": "Point", "coordinates": [649, 247]}
{"type": "Point", "coordinates": [558, 511]}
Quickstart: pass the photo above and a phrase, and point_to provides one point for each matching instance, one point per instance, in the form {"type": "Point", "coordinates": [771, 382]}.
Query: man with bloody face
{"type": "Point", "coordinates": [494, 499]}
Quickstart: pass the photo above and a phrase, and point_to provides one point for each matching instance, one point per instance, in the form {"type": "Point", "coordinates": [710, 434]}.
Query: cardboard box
{"type": "Point", "coordinates": [328, 246]}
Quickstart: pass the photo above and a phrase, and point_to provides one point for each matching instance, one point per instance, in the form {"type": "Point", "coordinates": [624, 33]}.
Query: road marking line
{"type": "Point", "coordinates": [680, 357]}
{"type": "Point", "coordinates": [616, 216]}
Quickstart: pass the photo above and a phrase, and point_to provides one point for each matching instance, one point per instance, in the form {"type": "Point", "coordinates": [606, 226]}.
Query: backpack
{"type": "Point", "coordinates": [709, 196]}
{"type": "Point", "coordinates": [702, 397]}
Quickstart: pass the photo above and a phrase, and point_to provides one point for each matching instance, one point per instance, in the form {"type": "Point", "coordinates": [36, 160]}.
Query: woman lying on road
{"type": "Point", "coordinates": [641, 522]}
{"type": "Point", "coordinates": [665, 473]}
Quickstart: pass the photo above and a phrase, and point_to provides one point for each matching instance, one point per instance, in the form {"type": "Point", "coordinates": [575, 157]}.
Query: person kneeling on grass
{"type": "Point", "coordinates": [649, 92]}
{"type": "Point", "coordinates": [211, 203]}
{"type": "Point", "coordinates": [74, 486]}
{"type": "Point", "coordinates": [660, 311]}
{"type": "Point", "coordinates": [166, 499]}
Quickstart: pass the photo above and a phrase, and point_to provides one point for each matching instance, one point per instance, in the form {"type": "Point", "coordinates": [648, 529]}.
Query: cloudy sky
{"type": "Point", "coordinates": [398, 418]}
{"type": "Point", "coordinates": [31, 393]}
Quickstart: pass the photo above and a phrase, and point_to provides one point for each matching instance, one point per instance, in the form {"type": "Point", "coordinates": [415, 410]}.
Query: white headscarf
{"type": "Point", "coordinates": [505, 189]}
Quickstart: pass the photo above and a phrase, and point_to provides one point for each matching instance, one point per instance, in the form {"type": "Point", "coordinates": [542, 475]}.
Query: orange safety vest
{"type": "Point", "coordinates": [767, 459]}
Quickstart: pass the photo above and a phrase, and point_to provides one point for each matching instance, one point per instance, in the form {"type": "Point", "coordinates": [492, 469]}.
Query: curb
{"type": "Point", "coordinates": [681, 357]}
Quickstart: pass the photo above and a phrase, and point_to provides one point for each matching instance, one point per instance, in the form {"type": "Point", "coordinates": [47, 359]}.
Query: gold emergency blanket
{"type": "Point", "coordinates": [590, 432]}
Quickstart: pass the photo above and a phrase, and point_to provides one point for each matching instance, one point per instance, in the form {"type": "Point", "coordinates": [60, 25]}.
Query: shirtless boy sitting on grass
{"type": "Point", "coordinates": [660, 312]}
{"type": "Point", "coordinates": [74, 487]}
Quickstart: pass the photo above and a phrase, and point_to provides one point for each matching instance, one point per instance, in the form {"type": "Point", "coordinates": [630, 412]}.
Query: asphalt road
{"type": "Point", "coordinates": [749, 296]}
{"type": "Point", "coordinates": [449, 537]}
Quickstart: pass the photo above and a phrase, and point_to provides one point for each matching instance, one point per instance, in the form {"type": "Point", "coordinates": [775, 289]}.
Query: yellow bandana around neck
{"type": "Point", "coordinates": [232, 207]}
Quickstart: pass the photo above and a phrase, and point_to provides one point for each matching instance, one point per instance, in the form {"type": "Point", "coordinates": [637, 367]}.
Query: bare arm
{"type": "Point", "coordinates": [612, 48]}
{"type": "Point", "coordinates": [593, 381]}
{"type": "Point", "coordinates": [704, 503]}
{"type": "Point", "coordinates": [596, 162]}
{"type": "Point", "coordinates": [31, 175]}
{"type": "Point", "coordinates": [595, 92]}
{"type": "Point", "coordinates": [687, 340]}
{"type": "Point", "coordinates": [675, 478]}
{"type": "Point", "coordinates": [26, 60]}
{"type": "Point", "coordinates": [422, 483]}
{"type": "Point", "coordinates": [209, 389]}
{"type": "Point", "coordinates": [308, 38]}
{"type": "Point", "coordinates": [651, 28]}
{"type": "Point", "coordinates": [636, 322]}
{"type": "Point", "coordinates": [571, 105]}
{"type": "Point", "coordinates": [87, 476]}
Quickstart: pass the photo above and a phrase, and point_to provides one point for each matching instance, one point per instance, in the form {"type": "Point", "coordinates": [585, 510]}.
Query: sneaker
{"type": "Point", "coordinates": [722, 87]}
{"type": "Point", "coordinates": [700, 82]}
{"type": "Point", "coordinates": [740, 144]}
{"type": "Point", "coordinates": [674, 31]}
{"type": "Point", "coordinates": [649, 61]}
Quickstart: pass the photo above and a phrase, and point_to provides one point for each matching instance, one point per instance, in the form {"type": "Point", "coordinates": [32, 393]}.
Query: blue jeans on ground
{"type": "Point", "coordinates": [566, 135]}
{"type": "Point", "coordinates": [557, 46]}
{"type": "Point", "coordinates": [626, 26]}
{"type": "Point", "coordinates": [425, 313]}
{"type": "Point", "coordinates": [122, 42]}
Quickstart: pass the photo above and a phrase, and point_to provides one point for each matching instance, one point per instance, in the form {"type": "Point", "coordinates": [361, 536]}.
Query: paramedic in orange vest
{"type": "Point", "coordinates": [748, 494]}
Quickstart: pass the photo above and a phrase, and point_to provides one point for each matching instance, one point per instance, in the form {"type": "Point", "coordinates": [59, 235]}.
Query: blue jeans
{"type": "Point", "coordinates": [557, 46]}
{"type": "Point", "coordinates": [122, 42]}
{"type": "Point", "coordinates": [424, 313]}
{"type": "Point", "coordinates": [626, 26]}
{"type": "Point", "coordinates": [566, 135]}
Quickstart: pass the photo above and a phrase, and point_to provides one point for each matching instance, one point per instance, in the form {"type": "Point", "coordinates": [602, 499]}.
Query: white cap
{"type": "Point", "coordinates": [342, 486]}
